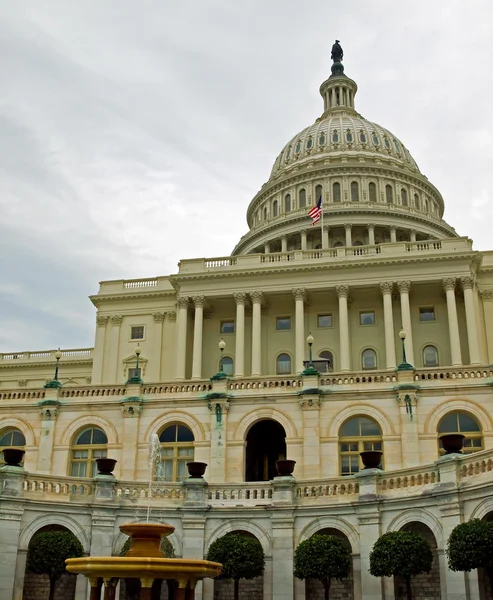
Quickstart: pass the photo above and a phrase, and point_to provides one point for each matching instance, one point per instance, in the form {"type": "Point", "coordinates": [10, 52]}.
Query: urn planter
{"type": "Point", "coordinates": [13, 456]}
{"type": "Point", "coordinates": [105, 465]}
{"type": "Point", "coordinates": [196, 470]}
{"type": "Point", "coordinates": [371, 459]}
{"type": "Point", "coordinates": [285, 468]}
{"type": "Point", "coordinates": [452, 443]}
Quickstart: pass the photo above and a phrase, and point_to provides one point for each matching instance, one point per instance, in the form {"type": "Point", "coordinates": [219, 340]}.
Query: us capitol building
{"type": "Point", "coordinates": [370, 330]}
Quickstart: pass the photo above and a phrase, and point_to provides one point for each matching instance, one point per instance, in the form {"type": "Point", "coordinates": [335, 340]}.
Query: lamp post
{"type": "Point", "coordinates": [136, 378]}
{"type": "Point", "coordinates": [54, 383]}
{"type": "Point", "coordinates": [221, 374]}
{"type": "Point", "coordinates": [310, 370]}
{"type": "Point", "coordinates": [404, 366]}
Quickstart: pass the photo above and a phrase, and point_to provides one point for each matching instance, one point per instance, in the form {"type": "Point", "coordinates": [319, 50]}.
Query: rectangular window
{"type": "Point", "coordinates": [134, 373]}
{"type": "Point", "coordinates": [137, 332]}
{"type": "Point", "coordinates": [367, 317]}
{"type": "Point", "coordinates": [227, 326]}
{"type": "Point", "coordinates": [426, 313]}
{"type": "Point", "coordinates": [283, 323]}
{"type": "Point", "coordinates": [325, 320]}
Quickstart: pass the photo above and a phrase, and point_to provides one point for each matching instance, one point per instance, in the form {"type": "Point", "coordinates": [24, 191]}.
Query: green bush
{"type": "Point", "coordinates": [47, 553]}
{"type": "Point", "coordinates": [322, 557]}
{"type": "Point", "coordinates": [401, 553]}
{"type": "Point", "coordinates": [470, 546]}
{"type": "Point", "coordinates": [241, 556]}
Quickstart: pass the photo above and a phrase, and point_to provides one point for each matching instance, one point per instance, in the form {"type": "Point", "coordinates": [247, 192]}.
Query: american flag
{"type": "Point", "coordinates": [316, 212]}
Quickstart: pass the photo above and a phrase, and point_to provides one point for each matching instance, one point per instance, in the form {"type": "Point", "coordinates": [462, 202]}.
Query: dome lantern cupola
{"type": "Point", "coordinates": [338, 90]}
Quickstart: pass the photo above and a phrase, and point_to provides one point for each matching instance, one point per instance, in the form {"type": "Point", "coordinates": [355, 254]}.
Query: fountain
{"type": "Point", "coordinates": [144, 560]}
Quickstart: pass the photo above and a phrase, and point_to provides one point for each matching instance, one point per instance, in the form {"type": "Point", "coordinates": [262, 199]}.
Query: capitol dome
{"type": "Point", "coordinates": [371, 188]}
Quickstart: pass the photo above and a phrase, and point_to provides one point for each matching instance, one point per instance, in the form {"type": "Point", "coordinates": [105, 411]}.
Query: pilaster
{"type": "Point", "coordinates": [282, 555]}
{"type": "Point", "coordinates": [219, 409]}
{"type": "Point", "coordinates": [99, 348]}
{"type": "Point", "coordinates": [11, 511]}
{"type": "Point", "coordinates": [131, 408]}
{"type": "Point", "coordinates": [156, 363]}
{"type": "Point", "coordinates": [49, 409]}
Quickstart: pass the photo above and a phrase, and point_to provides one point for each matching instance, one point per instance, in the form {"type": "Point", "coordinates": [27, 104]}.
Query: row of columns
{"type": "Point", "coordinates": [342, 291]}
{"type": "Point", "coordinates": [348, 237]}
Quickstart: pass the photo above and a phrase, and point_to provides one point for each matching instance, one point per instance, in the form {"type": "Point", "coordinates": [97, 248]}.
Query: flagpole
{"type": "Point", "coordinates": [322, 220]}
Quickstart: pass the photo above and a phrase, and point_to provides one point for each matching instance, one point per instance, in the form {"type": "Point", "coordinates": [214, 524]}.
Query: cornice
{"type": "Point", "coordinates": [122, 296]}
{"type": "Point", "coordinates": [17, 364]}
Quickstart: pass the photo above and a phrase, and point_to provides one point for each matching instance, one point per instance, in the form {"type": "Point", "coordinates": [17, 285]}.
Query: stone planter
{"type": "Point", "coordinates": [371, 459]}
{"type": "Point", "coordinates": [285, 468]}
{"type": "Point", "coordinates": [105, 465]}
{"type": "Point", "coordinates": [13, 456]}
{"type": "Point", "coordinates": [196, 470]}
{"type": "Point", "coordinates": [452, 443]}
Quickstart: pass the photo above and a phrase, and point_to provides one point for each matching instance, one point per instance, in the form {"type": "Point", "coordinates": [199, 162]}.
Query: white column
{"type": "Point", "coordinates": [453, 322]}
{"type": "Point", "coordinates": [299, 298]}
{"type": "Point", "coordinates": [388, 319]}
{"type": "Point", "coordinates": [342, 294]}
{"type": "Point", "coordinates": [198, 330]}
{"type": "Point", "coordinates": [349, 240]}
{"type": "Point", "coordinates": [239, 365]}
{"type": "Point", "coordinates": [181, 341]}
{"type": "Point", "coordinates": [404, 288]}
{"type": "Point", "coordinates": [266, 248]}
{"type": "Point", "coordinates": [393, 234]}
{"type": "Point", "coordinates": [472, 332]}
{"type": "Point", "coordinates": [111, 366]}
{"type": "Point", "coordinates": [325, 237]}
{"type": "Point", "coordinates": [371, 234]}
{"type": "Point", "coordinates": [99, 349]}
{"type": "Point", "coordinates": [256, 298]}
{"type": "Point", "coordinates": [412, 236]}
{"type": "Point", "coordinates": [303, 240]}
{"type": "Point", "coordinates": [284, 243]}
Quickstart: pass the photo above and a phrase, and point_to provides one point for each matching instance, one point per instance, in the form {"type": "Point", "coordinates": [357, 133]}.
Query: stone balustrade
{"type": "Point", "coordinates": [48, 355]}
{"type": "Point", "coordinates": [240, 494]}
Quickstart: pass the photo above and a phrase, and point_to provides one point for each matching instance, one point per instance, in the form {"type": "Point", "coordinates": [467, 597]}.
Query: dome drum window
{"type": "Point", "coordinates": [354, 191]}
{"type": "Point", "coordinates": [362, 137]}
{"type": "Point", "coordinates": [349, 137]}
{"type": "Point", "coordinates": [302, 198]}
{"type": "Point", "coordinates": [389, 194]}
{"type": "Point", "coordinates": [275, 208]}
{"type": "Point", "coordinates": [298, 147]}
{"type": "Point", "coordinates": [322, 140]}
{"type": "Point", "coordinates": [309, 143]}
{"type": "Point", "coordinates": [287, 203]}
{"type": "Point", "coordinates": [335, 136]}
{"type": "Point", "coordinates": [372, 191]}
{"type": "Point", "coordinates": [336, 192]}
{"type": "Point", "coordinates": [375, 140]}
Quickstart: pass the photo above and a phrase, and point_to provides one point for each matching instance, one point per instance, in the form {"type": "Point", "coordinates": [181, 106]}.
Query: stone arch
{"type": "Point", "coordinates": [54, 519]}
{"type": "Point", "coordinates": [265, 413]}
{"type": "Point", "coordinates": [421, 516]}
{"type": "Point", "coordinates": [484, 508]}
{"type": "Point", "coordinates": [254, 528]}
{"type": "Point", "coordinates": [331, 523]}
{"type": "Point", "coordinates": [448, 406]}
{"type": "Point", "coordinates": [361, 410]}
{"type": "Point", "coordinates": [176, 416]}
{"type": "Point", "coordinates": [23, 426]}
{"type": "Point", "coordinates": [107, 426]}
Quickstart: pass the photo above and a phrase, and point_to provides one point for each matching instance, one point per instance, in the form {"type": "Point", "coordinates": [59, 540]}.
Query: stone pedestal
{"type": "Point", "coordinates": [283, 491]}
{"type": "Point", "coordinates": [195, 493]}
{"type": "Point", "coordinates": [105, 488]}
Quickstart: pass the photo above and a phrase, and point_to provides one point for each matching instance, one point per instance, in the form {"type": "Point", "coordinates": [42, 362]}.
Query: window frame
{"type": "Point", "coordinates": [224, 322]}
{"type": "Point", "coordinates": [93, 451]}
{"type": "Point", "coordinates": [278, 371]}
{"type": "Point", "coordinates": [325, 314]}
{"type": "Point", "coordinates": [367, 312]}
{"type": "Point", "coordinates": [437, 356]}
{"type": "Point", "coordinates": [423, 308]}
{"type": "Point", "coordinates": [176, 457]}
{"type": "Point", "coordinates": [360, 440]}
{"type": "Point", "coordinates": [280, 318]}
{"type": "Point", "coordinates": [375, 354]}
{"type": "Point", "coordinates": [137, 339]}
{"type": "Point", "coordinates": [226, 358]}
{"type": "Point", "coordinates": [468, 434]}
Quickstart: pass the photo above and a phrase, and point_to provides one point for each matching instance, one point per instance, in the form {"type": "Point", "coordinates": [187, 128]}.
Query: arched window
{"type": "Point", "coordinates": [416, 202]}
{"type": "Point", "coordinates": [302, 199]}
{"type": "Point", "coordinates": [275, 208]}
{"type": "Point", "coordinates": [459, 422]}
{"type": "Point", "coordinates": [336, 192]}
{"type": "Point", "coordinates": [287, 203]}
{"type": "Point", "coordinates": [368, 359]}
{"type": "Point", "coordinates": [349, 137]}
{"type": "Point", "coordinates": [357, 434]}
{"type": "Point", "coordinates": [265, 213]}
{"type": "Point", "coordinates": [298, 147]}
{"type": "Point", "coordinates": [318, 193]}
{"type": "Point", "coordinates": [426, 205]}
{"type": "Point", "coordinates": [354, 191]}
{"type": "Point", "coordinates": [322, 139]}
{"type": "Point", "coordinates": [404, 197]}
{"type": "Point", "coordinates": [176, 450]}
{"type": "Point", "coordinates": [375, 140]}
{"type": "Point", "coordinates": [283, 364]}
{"type": "Point", "coordinates": [335, 137]}
{"type": "Point", "coordinates": [90, 443]}
{"type": "Point", "coordinates": [329, 357]}
{"type": "Point", "coordinates": [372, 191]}
{"type": "Point", "coordinates": [430, 356]}
{"type": "Point", "coordinates": [362, 137]}
{"type": "Point", "coordinates": [338, 244]}
{"type": "Point", "coordinates": [389, 194]}
{"type": "Point", "coordinates": [228, 365]}
{"type": "Point", "coordinates": [309, 143]}
{"type": "Point", "coordinates": [11, 438]}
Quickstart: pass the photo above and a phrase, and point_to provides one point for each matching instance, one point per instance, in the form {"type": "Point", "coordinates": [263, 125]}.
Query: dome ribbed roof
{"type": "Point", "coordinates": [341, 133]}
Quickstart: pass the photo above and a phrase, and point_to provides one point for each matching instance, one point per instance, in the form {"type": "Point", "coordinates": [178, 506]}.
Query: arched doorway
{"type": "Point", "coordinates": [314, 590]}
{"type": "Point", "coordinates": [38, 586]}
{"type": "Point", "coordinates": [265, 443]}
{"type": "Point", "coordinates": [426, 585]}
{"type": "Point", "coordinates": [253, 589]}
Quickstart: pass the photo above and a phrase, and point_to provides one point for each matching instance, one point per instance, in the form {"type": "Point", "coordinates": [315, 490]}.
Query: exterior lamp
{"type": "Point", "coordinates": [221, 374]}
{"type": "Point", "coordinates": [136, 378]}
{"type": "Point", "coordinates": [310, 370]}
{"type": "Point", "coordinates": [404, 366]}
{"type": "Point", "coordinates": [54, 383]}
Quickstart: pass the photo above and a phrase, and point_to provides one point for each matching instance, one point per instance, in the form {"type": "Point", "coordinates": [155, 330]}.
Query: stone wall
{"type": "Point", "coordinates": [250, 589]}
{"type": "Point", "coordinates": [37, 587]}
{"type": "Point", "coordinates": [339, 590]}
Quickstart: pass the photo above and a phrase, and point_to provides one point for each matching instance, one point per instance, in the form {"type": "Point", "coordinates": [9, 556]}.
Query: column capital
{"type": "Point", "coordinates": [256, 297]}
{"type": "Point", "coordinates": [404, 287]}
{"type": "Point", "coordinates": [299, 294]}
{"type": "Point", "coordinates": [449, 283]}
{"type": "Point", "coordinates": [487, 295]}
{"type": "Point", "coordinates": [326, 228]}
{"type": "Point", "coordinates": [393, 228]}
{"type": "Point", "coordinates": [342, 291]}
{"type": "Point", "coordinates": [158, 317]}
{"type": "Point", "coordinates": [182, 302]}
{"type": "Point", "coordinates": [116, 319]}
{"type": "Point", "coordinates": [101, 320]}
{"type": "Point", "coordinates": [284, 237]}
{"type": "Point", "coordinates": [240, 298]}
{"type": "Point", "coordinates": [386, 287]}
{"type": "Point", "coordinates": [347, 226]}
{"type": "Point", "coordinates": [303, 232]}
{"type": "Point", "coordinates": [198, 301]}
{"type": "Point", "coordinates": [467, 282]}
{"type": "Point", "coordinates": [371, 225]}
{"type": "Point", "coordinates": [171, 316]}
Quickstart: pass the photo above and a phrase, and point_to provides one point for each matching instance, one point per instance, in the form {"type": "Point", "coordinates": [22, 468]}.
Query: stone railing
{"type": "Point", "coordinates": [48, 355]}
{"type": "Point", "coordinates": [350, 253]}
{"type": "Point", "coordinates": [282, 382]}
{"type": "Point", "coordinates": [22, 395]}
{"type": "Point", "coordinates": [93, 391]}
{"type": "Point", "coordinates": [49, 485]}
{"type": "Point", "coordinates": [408, 478]}
{"type": "Point", "coordinates": [157, 389]}
{"type": "Point", "coordinates": [440, 374]}
{"type": "Point", "coordinates": [131, 490]}
{"type": "Point", "coordinates": [476, 463]}
{"type": "Point", "coordinates": [323, 488]}
{"type": "Point", "coordinates": [252, 494]}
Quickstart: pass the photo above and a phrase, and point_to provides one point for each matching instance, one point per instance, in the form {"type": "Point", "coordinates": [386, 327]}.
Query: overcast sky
{"type": "Point", "coordinates": [135, 133]}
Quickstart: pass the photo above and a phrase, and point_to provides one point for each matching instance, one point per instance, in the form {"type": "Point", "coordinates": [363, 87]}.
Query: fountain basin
{"type": "Point", "coordinates": [145, 538]}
